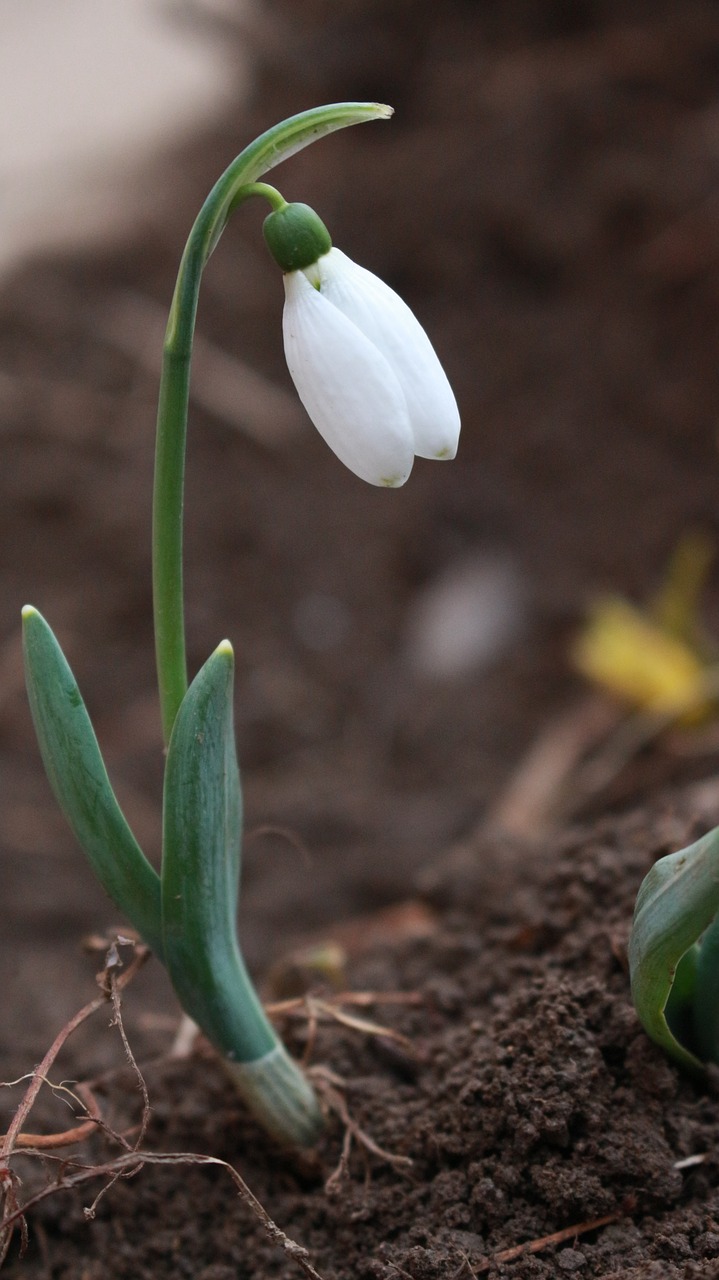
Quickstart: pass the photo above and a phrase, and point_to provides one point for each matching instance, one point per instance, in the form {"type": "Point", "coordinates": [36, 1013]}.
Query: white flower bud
{"type": "Point", "coordinates": [366, 371]}
{"type": "Point", "coordinates": [347, 386]}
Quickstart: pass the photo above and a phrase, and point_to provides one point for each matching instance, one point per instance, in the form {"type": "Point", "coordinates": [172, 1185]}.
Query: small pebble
{"type": "Point", "coordinates": [571, 1260]}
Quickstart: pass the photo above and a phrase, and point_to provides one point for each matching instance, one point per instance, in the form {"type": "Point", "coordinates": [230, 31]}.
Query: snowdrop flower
{"type": "Point", "coordinates": [362, 364]}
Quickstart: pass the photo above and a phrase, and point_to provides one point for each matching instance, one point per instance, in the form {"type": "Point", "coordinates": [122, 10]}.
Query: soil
{"type": "Point", "coordinates": [546, 200]}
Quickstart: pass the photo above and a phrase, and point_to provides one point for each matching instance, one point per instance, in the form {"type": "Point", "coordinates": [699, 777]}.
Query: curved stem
{"type": "Point", "coordinates": [237, 183]}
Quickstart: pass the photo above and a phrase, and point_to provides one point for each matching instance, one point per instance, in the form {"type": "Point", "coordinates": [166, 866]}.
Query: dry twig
{"type": "Point", "coordinates": [545, 1242]}
{"type": "Point", "coordinates": [110, 985]}
{"type": "Point", "coordinates": [132, 1162]}
{"type": "Point", "coordinates": [71, 1173]}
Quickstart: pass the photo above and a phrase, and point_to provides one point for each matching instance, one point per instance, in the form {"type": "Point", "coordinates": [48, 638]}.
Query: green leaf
{"type": "Point", "coordinates": [705, 1005]}
{"type": "Point", "coordinates": [78, 777]}
{"type": "Point", "coordinates": [200, 864]}
{"type": "Point", "coordinates": [676, 904]}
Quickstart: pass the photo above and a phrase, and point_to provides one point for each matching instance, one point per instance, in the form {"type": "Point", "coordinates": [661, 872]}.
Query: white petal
{"type": "Point", "coordinates": [388, 322]}
{"type": "Point", "coordinates": [347, 387]}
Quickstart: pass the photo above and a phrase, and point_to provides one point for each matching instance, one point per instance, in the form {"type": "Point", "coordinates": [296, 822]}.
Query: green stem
{"type": "Point", "coordinates": [237, 183]}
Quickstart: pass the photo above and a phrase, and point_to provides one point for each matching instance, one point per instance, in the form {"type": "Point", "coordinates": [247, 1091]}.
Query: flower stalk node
{"type": "Point", "coordinates": [296, 237]}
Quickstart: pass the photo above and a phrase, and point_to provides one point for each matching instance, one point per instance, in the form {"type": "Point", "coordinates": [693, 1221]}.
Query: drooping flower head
{"type": "Point", "coordinates": [362, 364]}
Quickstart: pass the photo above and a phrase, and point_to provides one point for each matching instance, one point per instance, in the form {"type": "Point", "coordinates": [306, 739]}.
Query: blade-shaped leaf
{"type": "Point", "coordinates": [78, 777]}
{"type": "Point", "coordinates": [677, 902]}
{"type": "Point", "coordinates": [202, 833]}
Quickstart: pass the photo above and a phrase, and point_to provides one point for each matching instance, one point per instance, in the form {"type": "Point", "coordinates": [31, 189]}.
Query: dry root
{"type": "Point", "coordinates": [70, 1172]}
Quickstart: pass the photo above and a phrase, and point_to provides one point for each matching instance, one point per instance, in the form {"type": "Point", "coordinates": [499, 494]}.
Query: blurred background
{"type": "Point", "coordinates": [90, 93]}
{"type": "Point", "coordinates": [546, 198]}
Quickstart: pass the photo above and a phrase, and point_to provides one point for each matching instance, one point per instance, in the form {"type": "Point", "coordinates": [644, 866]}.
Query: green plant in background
{"type": "Point", "coordinates": [674, 953]}
{"type": "Point", "coordinates": [371, 382]}
{"type": "Point", "coordinates": [659, 662]}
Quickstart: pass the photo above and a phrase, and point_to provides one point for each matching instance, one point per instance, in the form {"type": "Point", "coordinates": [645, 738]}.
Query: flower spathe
{"type": "Point", "coordinates": [366, 371]}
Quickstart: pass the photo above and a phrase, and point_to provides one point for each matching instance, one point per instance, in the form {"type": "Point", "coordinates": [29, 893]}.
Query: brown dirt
{"type": "Point", "coordinates": [529, 1102]}
{"type": "Point", "coordinates": [546, 199]}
